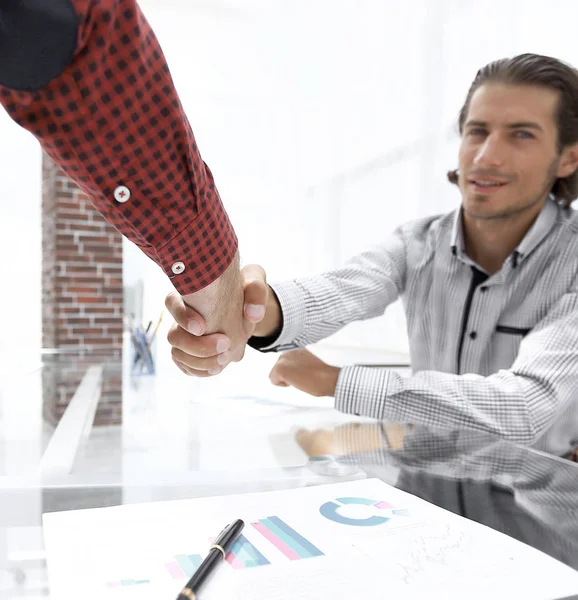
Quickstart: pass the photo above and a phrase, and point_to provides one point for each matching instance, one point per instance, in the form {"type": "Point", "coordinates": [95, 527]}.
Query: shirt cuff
{"type": "Point", "coordinates": [362, 391]}
{"type": "Point", "coordinates": [201, 252]}
{"type": "Point", "coordinates": [292, 304]}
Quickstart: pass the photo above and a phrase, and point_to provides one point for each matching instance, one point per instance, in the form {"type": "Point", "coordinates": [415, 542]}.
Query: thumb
{"type": "Point", "coordinates": [256, 292]}
{"type": "Point", "coordinates": [185, 316]}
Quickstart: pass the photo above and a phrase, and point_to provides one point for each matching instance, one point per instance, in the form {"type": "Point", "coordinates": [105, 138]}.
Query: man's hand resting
{"type": "Point", "coordinates": [199, 352]}
{"type": "Point", "coordinates": [306, 372]}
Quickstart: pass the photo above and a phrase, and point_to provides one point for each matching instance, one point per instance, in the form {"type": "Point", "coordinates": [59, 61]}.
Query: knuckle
{"type": "Point", "coordinates": [172, 335]}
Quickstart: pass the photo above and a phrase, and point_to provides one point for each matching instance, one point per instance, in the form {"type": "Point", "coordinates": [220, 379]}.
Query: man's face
{"type": "Point", "coordinates": [508, 158]}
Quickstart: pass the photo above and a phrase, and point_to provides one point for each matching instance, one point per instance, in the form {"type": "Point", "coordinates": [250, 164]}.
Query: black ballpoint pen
{"type": "Point", "coordinates": [217, 553]}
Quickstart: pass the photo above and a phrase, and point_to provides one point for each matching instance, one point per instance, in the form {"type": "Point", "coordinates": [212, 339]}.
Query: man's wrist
{"type": "Point", "coordinates": [220, 299]}
{"type": "Point", "coordinates": [331, 377]}
{"type": "Point", "coordinates": [272, 322]}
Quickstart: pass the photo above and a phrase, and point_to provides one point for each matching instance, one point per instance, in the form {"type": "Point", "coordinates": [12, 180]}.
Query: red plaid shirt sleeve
{"type": "Point", "coordinates": [113, 122]}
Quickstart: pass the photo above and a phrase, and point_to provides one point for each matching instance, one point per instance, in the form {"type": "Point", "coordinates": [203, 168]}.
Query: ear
{"type": "Point", "coordinates": [568, 161]}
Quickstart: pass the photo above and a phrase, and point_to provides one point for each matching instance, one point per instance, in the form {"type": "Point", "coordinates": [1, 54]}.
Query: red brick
{"type": "Point", "coordinates": [72, 216]}
{"type": "Point", "coordinates": [99, 309]}
{"type": "Point", "coordinates": [111, 291]}
{"type": "Point", "coordinates": [68, 206]}
{"type": "Point", "coordinates": [65, 238]}
{"type": "Point", "coordinates": [85, 227]}
{"type": "Point", "coordinates": [90, 300]}
{"type": "Point", "coordinates": [64, 280]}
{"type": "Point", "coordinates": [67, 248]}
{"type": "Point", "coordinates": [93, 239]}
{"type": "Point", "coordinates": [80, 290]}
{"type": "Point", "coordinates": [96, 249]}
{"type": "Point", "coordinates": [114, 330]}
{"type": "Point", "coordinates": [87, 331]}
{"type": "Point", "coordinates": [85, 321]}
{"type": "Point", "coordinates": [87, 268]}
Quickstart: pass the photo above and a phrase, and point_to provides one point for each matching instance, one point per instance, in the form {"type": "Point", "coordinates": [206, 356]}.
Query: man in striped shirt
{"type": "Point", "coordinates": [490, 291]}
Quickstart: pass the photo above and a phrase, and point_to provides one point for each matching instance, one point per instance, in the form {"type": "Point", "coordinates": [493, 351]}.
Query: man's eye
{"type": "Point", "coordinates": [524, 135]}
{"type": "Point", "coordinates": [476, 131]}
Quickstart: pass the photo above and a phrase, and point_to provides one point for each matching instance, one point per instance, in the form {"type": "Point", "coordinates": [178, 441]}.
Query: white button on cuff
{"type": "Point", "coordinates": [122, 194]}
{"type": "Point", "coordinates": [178, 268]}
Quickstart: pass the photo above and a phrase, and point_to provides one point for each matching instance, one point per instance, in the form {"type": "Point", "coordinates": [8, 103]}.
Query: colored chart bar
{"type": "Point", "coordinates": [243, 555]}
{"type": "Point", "coordinates": [127, 583]}
{"type": "Point", "coordinates": [384, 504]}
{"type": "Point", "coordinates": [175, 571]}
{"type": "Point", "coordinates": [184, 566]}
{"type": "Point", "coordinates": [286, 539]}
{"type": "Point", "coordinates": [348, 500]}
{"type": "Point", "coordinates": [234, 561]}
{"type": "Point", "coordinates": [189, 563]}
{"type": "Point", "coordinates": [279, 544]}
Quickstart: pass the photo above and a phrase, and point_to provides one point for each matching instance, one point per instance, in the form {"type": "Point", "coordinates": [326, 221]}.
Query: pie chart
{"type": "Point", "coordinates": [331, 510]}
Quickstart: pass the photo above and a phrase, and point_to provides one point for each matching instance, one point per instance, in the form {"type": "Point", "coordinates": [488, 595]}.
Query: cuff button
{"type": "Point", "coordinates": [178, 268]}
{"type": "Point", "coordinates": [122, 194]}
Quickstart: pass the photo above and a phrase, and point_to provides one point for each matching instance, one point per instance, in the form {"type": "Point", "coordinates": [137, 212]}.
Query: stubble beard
{"type": "Point", "coordinates": [511, 213]}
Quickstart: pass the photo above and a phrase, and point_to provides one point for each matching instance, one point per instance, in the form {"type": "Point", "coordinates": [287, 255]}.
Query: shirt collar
{"type": "Point", "coordinates": [539, 230]}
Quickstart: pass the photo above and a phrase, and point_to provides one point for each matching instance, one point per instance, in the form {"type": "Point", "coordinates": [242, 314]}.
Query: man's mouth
{"type": "Point", "coordinates": [486, 185]}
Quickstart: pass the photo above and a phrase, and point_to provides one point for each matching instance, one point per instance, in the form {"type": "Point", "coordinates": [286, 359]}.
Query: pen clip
{"type": "Point", "coordinates": [223, 531]}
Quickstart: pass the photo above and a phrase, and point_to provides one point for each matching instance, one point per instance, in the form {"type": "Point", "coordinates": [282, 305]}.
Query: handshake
{"type": "Point", "coordinates": [202, 354]}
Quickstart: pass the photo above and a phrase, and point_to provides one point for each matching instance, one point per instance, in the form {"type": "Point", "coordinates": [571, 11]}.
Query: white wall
{"type": "Point", "coordinates": [325, 122]}
{"type": "Point", "coordinates": [20, 242]}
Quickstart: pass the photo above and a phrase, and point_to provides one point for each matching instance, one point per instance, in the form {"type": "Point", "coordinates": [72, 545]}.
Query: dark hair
{"type": "Point", "coordinates": [544, 71]}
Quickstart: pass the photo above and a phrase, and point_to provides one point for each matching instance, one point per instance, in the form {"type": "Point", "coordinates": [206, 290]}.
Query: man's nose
{"type": "Point", "coordinates": [490, 153]}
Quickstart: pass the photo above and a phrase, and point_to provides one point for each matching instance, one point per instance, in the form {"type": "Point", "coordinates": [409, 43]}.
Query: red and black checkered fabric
{"type": "Point", "coordinates": [111, 117]}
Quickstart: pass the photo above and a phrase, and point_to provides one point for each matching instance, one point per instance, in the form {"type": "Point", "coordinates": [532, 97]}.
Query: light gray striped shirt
{"type": "Point", "coordinates": [500, 356]}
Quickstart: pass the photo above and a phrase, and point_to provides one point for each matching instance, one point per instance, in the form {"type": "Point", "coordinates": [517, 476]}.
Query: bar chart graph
{"type": "Point", "coordinates": [293, 545]}
{"type": "Point", "coordinates": [267, 533]}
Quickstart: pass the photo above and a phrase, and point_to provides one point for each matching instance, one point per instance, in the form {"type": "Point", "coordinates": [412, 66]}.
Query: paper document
{"type": "Point", "coordinates": [362, 540]}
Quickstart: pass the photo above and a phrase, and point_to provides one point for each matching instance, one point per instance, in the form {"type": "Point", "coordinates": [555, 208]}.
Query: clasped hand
{"type": "Point", "coordinates": [204, 355]}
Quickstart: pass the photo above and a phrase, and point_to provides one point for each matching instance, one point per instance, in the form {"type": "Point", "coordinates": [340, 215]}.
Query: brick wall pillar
{"type": "Point", "coordinates": [82, 294]}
